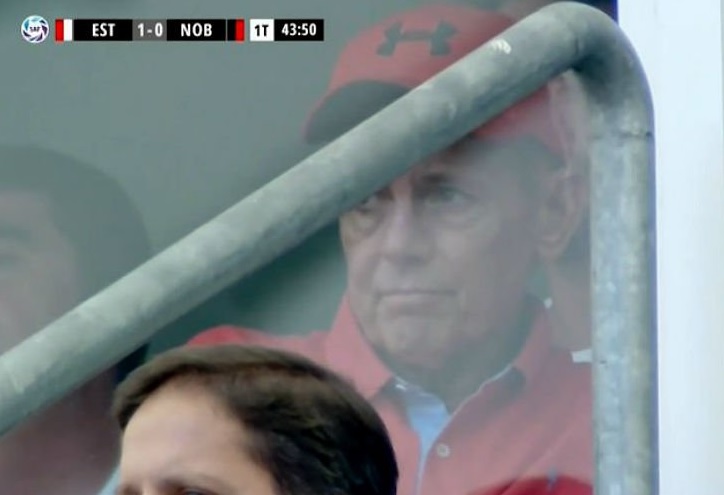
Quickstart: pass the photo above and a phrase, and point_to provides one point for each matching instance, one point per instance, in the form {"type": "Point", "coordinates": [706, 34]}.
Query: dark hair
{"type": "Point", "coordinates": [89, 209]}
{"type": "Point", "coordinates": [311, 431]}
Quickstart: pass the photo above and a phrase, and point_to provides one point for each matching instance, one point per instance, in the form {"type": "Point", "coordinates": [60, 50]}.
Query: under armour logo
{"type": "Point", "coordinates": [438, 39]}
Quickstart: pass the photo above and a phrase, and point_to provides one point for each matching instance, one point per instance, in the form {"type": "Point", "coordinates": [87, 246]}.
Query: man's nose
{"type": "Point", "coordinates": [406, 234]}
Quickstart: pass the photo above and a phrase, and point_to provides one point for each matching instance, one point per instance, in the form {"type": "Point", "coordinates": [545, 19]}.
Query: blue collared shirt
{"type": "Point", "coordinates": [427, 414]}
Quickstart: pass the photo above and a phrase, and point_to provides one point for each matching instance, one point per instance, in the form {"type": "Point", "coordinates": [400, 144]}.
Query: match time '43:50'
{"type": "Point", "coordinates": [299, 30]}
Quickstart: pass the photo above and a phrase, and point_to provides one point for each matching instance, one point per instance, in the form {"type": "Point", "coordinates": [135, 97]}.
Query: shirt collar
{"type": "Point", "coordinates": [348, 352]}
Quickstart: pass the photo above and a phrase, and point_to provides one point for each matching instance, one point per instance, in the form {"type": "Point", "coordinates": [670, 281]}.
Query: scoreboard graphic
{"type": "Point", "coordinates": [224, 30]}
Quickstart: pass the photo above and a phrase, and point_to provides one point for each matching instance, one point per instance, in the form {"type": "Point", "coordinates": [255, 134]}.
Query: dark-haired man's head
{"type": "Point", "coordinates": [438, 261]}
{"type": "Point", "coordinates": [240, 419]}
{"type": "Point", "coordinates": [66, 232]}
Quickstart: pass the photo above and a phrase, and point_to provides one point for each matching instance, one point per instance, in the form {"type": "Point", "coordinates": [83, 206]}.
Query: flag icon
{"type": "Point", "coordinates": [63, 30]}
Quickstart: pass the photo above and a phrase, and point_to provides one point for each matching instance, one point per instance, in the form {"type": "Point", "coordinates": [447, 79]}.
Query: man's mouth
{"type": "Point", "coordinates": [412, 297]}
{"type": "Point", "coordinates": [407, 292]}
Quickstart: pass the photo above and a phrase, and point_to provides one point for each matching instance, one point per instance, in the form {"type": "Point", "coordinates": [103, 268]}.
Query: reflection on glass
{"type": "Point", "coordinates": [66, 231]}
{"type": "Point", "coordinates": [484, 387]}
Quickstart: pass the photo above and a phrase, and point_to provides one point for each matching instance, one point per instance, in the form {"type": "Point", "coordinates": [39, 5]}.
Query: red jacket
{"type": "Point", "coordinates": [527, 433]}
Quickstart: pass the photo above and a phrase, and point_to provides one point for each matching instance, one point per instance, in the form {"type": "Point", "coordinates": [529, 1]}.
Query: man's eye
{"type": "Point", "coordinates": [447, 196]}
{"type": "Point", "coordinates": [368, 204]}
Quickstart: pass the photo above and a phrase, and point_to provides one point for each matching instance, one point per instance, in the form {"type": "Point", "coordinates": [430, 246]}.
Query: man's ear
{"type": "Point", "coordinates": [563, 211]}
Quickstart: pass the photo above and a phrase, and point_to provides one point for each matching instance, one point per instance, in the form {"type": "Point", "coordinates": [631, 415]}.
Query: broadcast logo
{"type": "Point", "coordinates": [35, 29]}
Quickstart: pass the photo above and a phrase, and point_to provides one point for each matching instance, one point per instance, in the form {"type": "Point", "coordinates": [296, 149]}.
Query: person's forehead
{"type": "Point", "coordinates": [474, 157]}
{"type": "Point", "coordinates": [172, 419]}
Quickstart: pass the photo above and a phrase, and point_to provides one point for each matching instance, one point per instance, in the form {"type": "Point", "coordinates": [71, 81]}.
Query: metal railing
{"type": "Point", "coordinates": [283, 213]}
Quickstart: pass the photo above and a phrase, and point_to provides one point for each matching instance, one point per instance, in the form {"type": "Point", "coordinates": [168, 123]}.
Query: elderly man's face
{"type": "Point", "coordinates": [39, 278]}
{"type": "Point", "coordinates": [440, 258]}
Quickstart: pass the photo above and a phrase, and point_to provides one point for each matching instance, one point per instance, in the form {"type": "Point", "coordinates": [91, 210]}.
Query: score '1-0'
{"type": "Point", "coordinates": [156, 29]}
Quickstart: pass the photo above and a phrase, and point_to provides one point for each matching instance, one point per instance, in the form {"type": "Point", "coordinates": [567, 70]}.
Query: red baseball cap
{"type": "Point", "coordinates": [387, 60]}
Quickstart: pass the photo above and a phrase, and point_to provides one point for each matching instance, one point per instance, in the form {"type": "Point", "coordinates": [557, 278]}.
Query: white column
{"type": "Point", "coordinates": [680, 43]}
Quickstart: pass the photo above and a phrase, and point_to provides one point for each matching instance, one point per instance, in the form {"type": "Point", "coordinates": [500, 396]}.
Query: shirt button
{"type": "Point", "coordinates": [442, 450]}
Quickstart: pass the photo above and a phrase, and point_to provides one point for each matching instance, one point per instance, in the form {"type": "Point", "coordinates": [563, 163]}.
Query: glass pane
{"type": "Point", "coordinates": [455, 298]}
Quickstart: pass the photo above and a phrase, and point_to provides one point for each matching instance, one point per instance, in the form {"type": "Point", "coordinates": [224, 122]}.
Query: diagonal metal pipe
{"type": "Point", "coordinates": [283, 213]}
